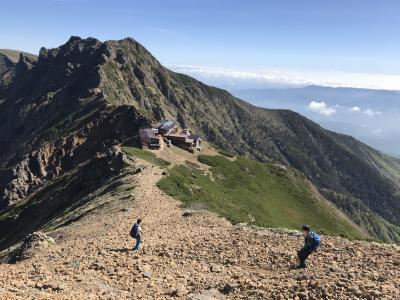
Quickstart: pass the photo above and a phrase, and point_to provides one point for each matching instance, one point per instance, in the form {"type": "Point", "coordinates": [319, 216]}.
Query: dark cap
{"type": "Point", "coordinates": [306, 228]}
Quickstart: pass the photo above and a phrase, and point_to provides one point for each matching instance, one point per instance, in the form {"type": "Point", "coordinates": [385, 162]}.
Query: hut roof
{"type": "Point", "coordinates": [167, 125]}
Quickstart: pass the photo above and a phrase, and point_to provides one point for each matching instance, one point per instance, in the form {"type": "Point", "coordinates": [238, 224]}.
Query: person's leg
{"type": "Point", "coordinates": [303, 255]}
{"type": "Point", "coordinates": [138, 241]}
{"type": "Point", "coordinates": [302, 259]}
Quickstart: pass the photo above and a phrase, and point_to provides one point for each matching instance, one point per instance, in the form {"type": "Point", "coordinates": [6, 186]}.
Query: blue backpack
{"type": "Point", "coordinates": [134, 230]}
{"type": "Point", "coordinates": [316, 239]}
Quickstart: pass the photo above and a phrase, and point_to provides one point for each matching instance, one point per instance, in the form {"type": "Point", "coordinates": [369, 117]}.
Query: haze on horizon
{"type": "Point", "coordinates": [340, 43]}
{"type": "Point", "coordinates": [244, 45]}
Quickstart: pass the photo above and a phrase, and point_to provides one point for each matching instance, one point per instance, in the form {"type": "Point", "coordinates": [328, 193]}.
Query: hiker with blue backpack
{"type": "Point", "coordinates": [311, 243]}
{"type": "Point", "coordinates": [136, 232]}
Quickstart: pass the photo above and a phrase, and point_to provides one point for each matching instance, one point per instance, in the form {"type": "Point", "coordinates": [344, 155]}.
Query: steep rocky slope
{"type": "Point", "coordinates": [188, 254]}
{"type": "Point", "coordinates": [86, 96]}
{"type": "Point", "coordinates": [53, 119]}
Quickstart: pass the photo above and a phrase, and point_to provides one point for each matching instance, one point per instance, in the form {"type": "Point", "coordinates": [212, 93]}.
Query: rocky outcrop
{"type": "Point", "coordinates": [25, 63]}
{"type": "Point", "coordinates": [32, 245]}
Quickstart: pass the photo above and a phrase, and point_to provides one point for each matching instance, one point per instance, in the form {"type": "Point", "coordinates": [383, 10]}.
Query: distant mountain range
{"type": "Point", "coordinates": [67, 108]}
{"type": "Point", "coordinates": [370, 115]}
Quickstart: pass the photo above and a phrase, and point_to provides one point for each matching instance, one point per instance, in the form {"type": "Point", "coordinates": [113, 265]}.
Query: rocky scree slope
{"type": "Point", "coordinates": [86, 96]}
{"type": "Point", "coordinates": [187, 254]}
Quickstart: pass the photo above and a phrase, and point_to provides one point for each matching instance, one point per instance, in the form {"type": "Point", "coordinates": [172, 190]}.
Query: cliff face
{"type": "Point", "coordinates": [54, 116]}
{"type": "Point", "coordinates": [82, 98]}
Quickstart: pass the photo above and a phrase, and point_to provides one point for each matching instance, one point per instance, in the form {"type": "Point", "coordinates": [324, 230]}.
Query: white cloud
{"type": "Point", "coordinates": [355, 109]}
{"type": "Point", "coordinates": [321, 108]}
{"type": "Point", "coordinates": [331, 78]}
{"type": "Point", "coordinates": [372, 113]}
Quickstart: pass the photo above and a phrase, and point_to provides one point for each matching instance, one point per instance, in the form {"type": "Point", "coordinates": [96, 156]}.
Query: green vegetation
{"type": "Point", "coordinates": [115, 88]}
{"type": "Point", "coordinates": [262, 194]}
{"type": "Point", "coordinates": [146, 155]}
{"type": "Point", "coordinates": [131, 187]}
{"type": "Point", "coordinates": [226, 153]}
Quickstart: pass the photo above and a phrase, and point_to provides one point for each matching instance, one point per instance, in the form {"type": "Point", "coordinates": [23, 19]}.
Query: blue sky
{"type": "Point", "coordinates": [310, 39]}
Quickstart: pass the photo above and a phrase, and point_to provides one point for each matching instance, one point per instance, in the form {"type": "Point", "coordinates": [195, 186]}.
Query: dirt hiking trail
{"type": "Point", "coordinates": [191, 254]}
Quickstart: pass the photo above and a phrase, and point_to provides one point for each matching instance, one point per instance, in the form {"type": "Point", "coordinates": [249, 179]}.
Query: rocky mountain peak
{"type": "Point", "coordinates": [74, 51]}
{"type": "Point", "coordinates": [78, 49]}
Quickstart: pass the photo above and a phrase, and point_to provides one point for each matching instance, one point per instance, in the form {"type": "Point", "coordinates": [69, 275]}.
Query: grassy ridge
{"type": "Point", "coordinates": [262, 194]}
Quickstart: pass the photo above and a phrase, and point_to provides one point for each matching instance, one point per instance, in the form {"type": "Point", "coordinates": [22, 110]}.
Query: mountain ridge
{"type": "Point", "coordinates": [85, 81]}
{"type": "Point", "coordinates": [369, 115]}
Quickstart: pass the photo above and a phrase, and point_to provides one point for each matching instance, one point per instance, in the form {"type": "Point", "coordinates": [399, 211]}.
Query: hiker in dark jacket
{"type": "Point", "coordinates": [311, 243]}
{"type": "Point", "coordinates": [136, 233]}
